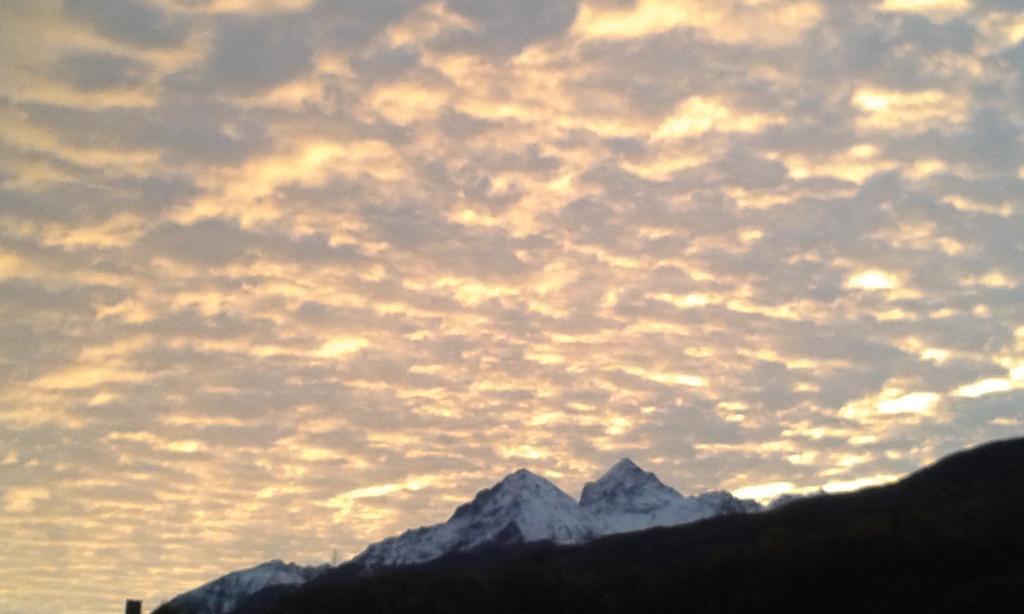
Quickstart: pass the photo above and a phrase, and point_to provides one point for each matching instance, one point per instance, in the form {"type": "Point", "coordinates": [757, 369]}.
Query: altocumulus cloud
{"type": "Point", "coordinates": [282, 277]}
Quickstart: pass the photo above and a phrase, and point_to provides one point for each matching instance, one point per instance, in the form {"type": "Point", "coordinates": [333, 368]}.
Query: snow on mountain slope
{"type": "Point", "coordinates": [522, 507]}
{"type": "Point", "coordinates": [627, 498]}
{"type": "Point", "coordinates": [724, 502]}
{"type": "Point", "coordinates": [221, 595]}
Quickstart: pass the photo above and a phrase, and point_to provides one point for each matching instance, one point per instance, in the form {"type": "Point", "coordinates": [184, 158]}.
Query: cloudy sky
{"type": "Point", "coordinates": [280, 277]}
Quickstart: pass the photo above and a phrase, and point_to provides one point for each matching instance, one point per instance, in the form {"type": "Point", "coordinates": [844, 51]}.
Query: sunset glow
{"type": "Point", "coordinates": [279, 278]}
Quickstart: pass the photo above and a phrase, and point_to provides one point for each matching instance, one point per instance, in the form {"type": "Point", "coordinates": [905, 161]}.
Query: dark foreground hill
{"type": "Point", "coordinates": [521, 508]}
{"type": "Point", "coordinates": [949, 538]}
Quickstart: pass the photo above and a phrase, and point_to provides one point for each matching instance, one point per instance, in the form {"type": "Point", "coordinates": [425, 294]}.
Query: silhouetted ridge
{"type": "Point", "coordinates": [946, 539]}
{"type": "Point", "coordinates": [995, 465]}
{"type": "Point", "coordinates": [521, 508]}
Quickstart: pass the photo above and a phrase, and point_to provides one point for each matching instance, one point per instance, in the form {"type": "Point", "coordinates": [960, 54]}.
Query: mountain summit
{"type": "Point", "coordinates": [522, 507]}
{"type": "Point", "coordinates": [223, 594]}
{"type": "Point", "coordinates": [945, 539]}
{"type": "Point", "coordinates": [623, 477]}
{"type": "Point", "coordinates": [627, 498]}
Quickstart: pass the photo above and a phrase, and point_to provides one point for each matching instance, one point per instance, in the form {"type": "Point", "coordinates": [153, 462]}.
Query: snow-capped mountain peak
{"type": "Point", "coordinates": [627, 498]}
{"type": "Point", "coordinates": [624, 477]}
{"type": "Point", "coordinates": [223, 594]}
{"type": "Point", "coordinates": [522, 507]}
{"type": "Point", "coordinates": [624, 471]}
{"type": "Point", "coordinates": [514, 495]}
{"type": "Point", "coordinates": [625, 466]}
{"type": "Point", "coordinates": [724, 502]}
{"type": "Point", "coordinates": [522, 485]}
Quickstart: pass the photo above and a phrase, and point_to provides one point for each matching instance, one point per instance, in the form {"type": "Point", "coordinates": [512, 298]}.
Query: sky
{"type": "Point", "coordinates": [285, 277]}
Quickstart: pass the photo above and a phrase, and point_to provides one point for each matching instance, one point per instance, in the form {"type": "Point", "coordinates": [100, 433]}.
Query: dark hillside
{"type": "Point", "coordinates": [949, 538]}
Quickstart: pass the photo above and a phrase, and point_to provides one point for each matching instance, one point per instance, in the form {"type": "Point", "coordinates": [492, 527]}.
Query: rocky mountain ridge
{"type": "Point", "coordinates": [521, 508]}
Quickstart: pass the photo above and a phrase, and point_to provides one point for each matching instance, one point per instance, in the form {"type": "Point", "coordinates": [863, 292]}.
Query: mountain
{"type": "Point", "coordinates": [627, 498]}
{"type": "Point", "coordinates": [945, 539]}
{"type": "Point", "coordinates": [222, 595]}
{"type": "Point", "coordinates": [521, 508]}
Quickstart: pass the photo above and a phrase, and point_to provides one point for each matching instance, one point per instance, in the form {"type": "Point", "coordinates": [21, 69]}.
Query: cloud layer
{"type": "Point", "coordinates": [283, 277]}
